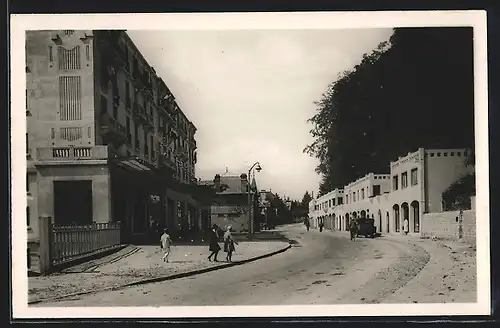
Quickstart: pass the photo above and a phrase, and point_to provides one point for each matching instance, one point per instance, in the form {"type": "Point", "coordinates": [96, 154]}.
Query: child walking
{"type": "Point", "coordinates": [166, 242]}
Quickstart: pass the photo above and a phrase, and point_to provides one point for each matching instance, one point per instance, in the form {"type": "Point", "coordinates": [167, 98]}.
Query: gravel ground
{"type": "Point", "coordinates": [143, 264]}
{"type": "Point", "coordinates": [450, 275]}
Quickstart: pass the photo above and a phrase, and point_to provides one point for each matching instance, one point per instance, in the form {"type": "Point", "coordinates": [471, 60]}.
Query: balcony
{"type": "Point", "coordinates": [183, 153]}
{"type": "Point", "coordinates": [166, 161]}
{"type": "Point", "coordinates": [67, 154]}
{"type": "Point", "coordinates": [140, 115]}
{"type": "Point", "coordinates": [192, 141]}
{"type": "Point", "coordinates": [113, 132]}
{"type": "Point", "coordinates": [147, 91]}
{"type": "Point", "coordinates": [137, 80]}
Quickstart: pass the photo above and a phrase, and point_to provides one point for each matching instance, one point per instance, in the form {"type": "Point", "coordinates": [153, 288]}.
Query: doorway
{"type": "Point", "coordinates": [139, 223]}
{"type": "Point", "coordinates": [73, 202]}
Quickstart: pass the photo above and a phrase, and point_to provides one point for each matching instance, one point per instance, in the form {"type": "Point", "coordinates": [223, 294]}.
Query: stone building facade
{"type": "Point", "coordinates": [230, 204]}
{"type": "Point", "coordinates": [106, 140]}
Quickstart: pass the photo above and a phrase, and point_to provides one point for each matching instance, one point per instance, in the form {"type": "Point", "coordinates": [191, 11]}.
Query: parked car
{"type": "Point", "coordinates": [366, 227]}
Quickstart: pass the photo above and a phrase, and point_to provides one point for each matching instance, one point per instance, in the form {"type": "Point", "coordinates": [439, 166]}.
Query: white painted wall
{"type": "Point", "coordinates": [433, 175]}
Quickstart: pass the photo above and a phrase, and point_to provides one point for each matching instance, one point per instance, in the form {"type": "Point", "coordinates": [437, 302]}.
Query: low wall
{"type": "Point", "coordinates": [447, 225]}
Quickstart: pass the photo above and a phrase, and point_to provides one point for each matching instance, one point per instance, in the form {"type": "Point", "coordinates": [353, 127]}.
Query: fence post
{"type": "Point", "coordinates": [45, 250]}
{"type": "Point", "coordinates": [119, 232]}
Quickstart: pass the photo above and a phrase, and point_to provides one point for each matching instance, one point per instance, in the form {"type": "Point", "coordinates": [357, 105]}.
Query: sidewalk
{"type": "Point", "coordinates": [135, 264]}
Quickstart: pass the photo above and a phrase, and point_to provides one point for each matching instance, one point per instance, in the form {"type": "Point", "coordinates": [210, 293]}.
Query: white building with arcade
{"type": "Point", "coordinates": [413, 187]}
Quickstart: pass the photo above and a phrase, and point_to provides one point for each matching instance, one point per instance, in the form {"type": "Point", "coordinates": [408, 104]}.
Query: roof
{"type": "Point", "coordinates": [253, 185]}
{"type": "Point", "coordinates": [233, 182]}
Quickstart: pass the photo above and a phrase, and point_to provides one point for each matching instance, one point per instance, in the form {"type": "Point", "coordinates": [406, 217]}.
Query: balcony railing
{"type": "Point", "coordinates": [182, 152]}
{"type": "Point", "coordinates": [113, 131]}
{"type": "Point", "coordinates": [72, 153]}
{"type": "Point", "coordinates": [140, 115]}
{"type": "Point", "coordinates": [192, 141]}
{"type": "Point", "coordinates": [166, 161]}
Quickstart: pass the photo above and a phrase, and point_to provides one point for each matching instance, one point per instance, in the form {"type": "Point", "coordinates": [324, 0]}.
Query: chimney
{"type": "Point", "coordinates": [217, 182]}
{"type": "Point", "coordinates": [244, 182]}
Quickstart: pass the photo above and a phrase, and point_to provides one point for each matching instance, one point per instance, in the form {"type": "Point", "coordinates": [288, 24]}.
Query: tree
{"type": "Point", "coordinates": [305, 200]}
{"type": "Point", "coordinates": [415, 90]}
{"type": "Point", "coordinates": [457, 195]}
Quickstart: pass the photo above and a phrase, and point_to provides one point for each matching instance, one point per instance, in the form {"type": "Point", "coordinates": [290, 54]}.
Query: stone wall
{"type": "Point", "coordinates": [446, 225]}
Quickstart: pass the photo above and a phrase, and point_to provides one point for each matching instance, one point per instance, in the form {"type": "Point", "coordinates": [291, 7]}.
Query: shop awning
{"type": "Point", "coordinates": [133, 163]}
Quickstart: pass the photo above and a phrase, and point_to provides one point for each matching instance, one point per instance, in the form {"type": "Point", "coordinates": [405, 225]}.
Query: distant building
{"type": "Point", "coordinates": [413, 187]}
{"type": "Point", "coordinates": [106, 141]}
{"type": "Point", "coordinates": [230, 205]}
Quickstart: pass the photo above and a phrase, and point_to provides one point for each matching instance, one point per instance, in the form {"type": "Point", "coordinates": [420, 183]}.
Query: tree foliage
{"type": "Point", "coordinates": [305, 200]}
{"type": "Point", "coordinates": [414, 90]}
{"type": "Point", "coordinates": [457, 195]}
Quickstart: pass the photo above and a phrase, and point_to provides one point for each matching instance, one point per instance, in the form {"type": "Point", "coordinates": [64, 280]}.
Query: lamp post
{"type": "Point", "coordinates": [250, 216]}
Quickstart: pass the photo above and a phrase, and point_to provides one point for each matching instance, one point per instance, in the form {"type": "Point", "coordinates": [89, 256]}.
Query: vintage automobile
{"type": "Point", "coordinates": [366, 227]}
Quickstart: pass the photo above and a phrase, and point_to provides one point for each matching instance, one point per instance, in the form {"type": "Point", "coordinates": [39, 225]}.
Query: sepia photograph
{"type": "Point", "coordinates": [201, 165]}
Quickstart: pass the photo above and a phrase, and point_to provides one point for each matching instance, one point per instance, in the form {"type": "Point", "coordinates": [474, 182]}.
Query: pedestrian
{"type": "Point", "coordinates": [229, 244]}
{"type": "Point", "coordinates": [353, 229]}
{"type": "Point", "coordinates": [406, 226]}
{"type": "Point", "coordinates": [214, 247]}
{"type": "Point", "coordinates": [321, 225]}
{"type": "Point", "coordinates": [165, 242]}
{"type": "Point", "coordinates": [307, 223]}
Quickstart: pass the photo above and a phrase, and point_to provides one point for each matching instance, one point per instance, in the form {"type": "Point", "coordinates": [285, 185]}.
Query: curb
{"type": "Point", "coordinates": [165, 278]}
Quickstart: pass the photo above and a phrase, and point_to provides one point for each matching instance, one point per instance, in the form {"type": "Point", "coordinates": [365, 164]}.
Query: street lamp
{"type": "Point", "coordinates": [250, 216]}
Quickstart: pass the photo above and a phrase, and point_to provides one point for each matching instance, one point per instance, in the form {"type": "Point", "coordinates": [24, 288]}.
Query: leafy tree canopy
{"type": "Point", "coordinates": [415, 90]}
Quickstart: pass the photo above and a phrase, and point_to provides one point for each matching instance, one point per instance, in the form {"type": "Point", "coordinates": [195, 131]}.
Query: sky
{"type": "Point", "coordinates": [250, 93]}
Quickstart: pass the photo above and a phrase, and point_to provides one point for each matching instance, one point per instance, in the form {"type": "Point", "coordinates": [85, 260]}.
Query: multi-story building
{"type": "Point", "coordinates": [230, 205]}
{"type": "Point", "coordinates": [413, 187]}
{"type": "Point", "coordinates": [106, 139]}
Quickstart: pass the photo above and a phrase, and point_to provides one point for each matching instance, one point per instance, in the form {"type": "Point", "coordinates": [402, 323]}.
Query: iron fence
{"type": "Point", "coordinates": [72, 241]}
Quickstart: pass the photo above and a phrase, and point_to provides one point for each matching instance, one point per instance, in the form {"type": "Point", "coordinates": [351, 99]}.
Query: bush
{"type": "Point", "coordinates": [457, 195]}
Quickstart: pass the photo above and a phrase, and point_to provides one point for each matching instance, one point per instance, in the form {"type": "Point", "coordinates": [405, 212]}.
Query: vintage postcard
{"type": "Point", "coordinates": [250, 165]}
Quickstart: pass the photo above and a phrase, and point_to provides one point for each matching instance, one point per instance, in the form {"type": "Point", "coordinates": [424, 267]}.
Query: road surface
{"type": "Point", "coordinates": [324, 268]}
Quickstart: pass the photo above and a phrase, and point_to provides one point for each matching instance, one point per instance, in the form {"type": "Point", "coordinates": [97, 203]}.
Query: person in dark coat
{"type": "Point", "coordinates": [353, 229]}
{"type": "Point", "coordinates": [306, 223]}
{"type": "Point", "coordinates": [214, 247]}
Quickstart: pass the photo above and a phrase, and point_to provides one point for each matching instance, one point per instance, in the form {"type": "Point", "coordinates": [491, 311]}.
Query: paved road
{"type": "Point", "coordinates": [326, 268]}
